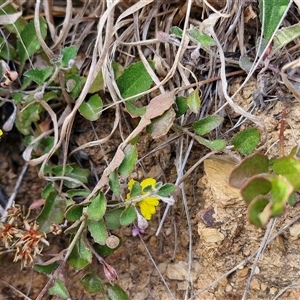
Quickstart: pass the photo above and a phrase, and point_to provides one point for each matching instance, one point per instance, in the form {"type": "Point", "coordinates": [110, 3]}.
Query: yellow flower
{"type": "Point", "coordinates": [147, 205]}
{"type": "Point", "coordinates": [1, 132]}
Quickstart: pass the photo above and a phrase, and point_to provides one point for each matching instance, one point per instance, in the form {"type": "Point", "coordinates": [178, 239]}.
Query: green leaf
{"type": "Point", "coordinates": [259, 212]}
{"type": "Point", "coordinates": [193, 101]}
{"type": "Point", "coordinates": [288, 167]}
{"type": "Point", "coordinates": [177, 31]}
{"type": "Point", "coordinates": [59, 289]}
{"type": "Point", "coordinates": [281, 191]}
{"type": "Point", "coordinates": [115, 292]}
{"type": "Point", "coordinates": [61, 170]}
{"type": "Point", "coordinates": [47, 190]}
{"type": "Point", "coordinates": [117, 68]}
{"type": "Point", "coordinates": [67, 54]}
{"type": "Point", "coordinates": [91, 283]}
{"type": "Point", "coordinates": [78, 174]}
{"type": "Point", "coordinates": [7, 51]}
{"type": "Point", "coordinates": [246, 141]}
{"type": "Point", "coordinates": [98, 231]}
{"type": "Point", "coordinates": [91, 109]}
{"type": "Point", "coordinates": [136, 189]}
{"type": "Point", "coordinates": [292, 200]}
{"type": "Point", "coordinates": [215, 145]}
{"type": "Point", "coordinates": [255, 164]}
{"type": "Point", "coordinates": [245, 63]}
{"type": "Point", "coordinates": [128, 216]}
{"type": "Point", "coordinates": [104, 250]}
{"type": "Point", "coordinates": [133, 110]}
{"type": "Point", "coordinates": [134, 80]}
{"type": "Point", "coordinates": [198, 37]}
{"type": "Point", "coordinates": [207, 124]}
{"type": "Point", "coordinates": [45, 269]}
{"type": "Point", "coordinates": [39, 76]}
{"type": "Point", "coordinates": [271, 11]}
{"type": "Point", "coordinates": [256, 187]}
{"type": "Point", "coordinates": [114, 183]}
{"type": "Point", "coordinates": [161, 125]}
{"type": "Point", "coordinates": [52, 213]}
{"type": "Point", "coordinates": [181, 106]}
{"type": "Point", "coordinates": [166, 190]}
{"type": "Point", "coordinates": [284, 36]}
{"type": "Point", "coordinates": [74, 84]}
{"type": "Point", "coordinates": [80, 256]}
{"type": "Point", "coordinates": [112, 218]}
{"type": "Point", "coordinates": [74, 213]}
{"type": "Point", "coordinates": [97, 207]}
{"type": "Point", "coordinates": [30, 43]}
{"type": "Point", "coordinates": [77, 193]}
{"type": "Point", "coordinates": [27, 116]}
{"type": "Point", "coordinates": [98, 84]}
{"type": "Point", "coordinates": [129, 161]}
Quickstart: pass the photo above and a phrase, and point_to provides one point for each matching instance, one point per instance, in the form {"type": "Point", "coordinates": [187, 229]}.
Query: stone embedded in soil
{"type": "Point", "coordinates": [210, 235]}
{"type": "Point", "coordinates": [255, 285]}
{"type": "Point", "coordinates": [179, 271]}
{"type": "Point", "coordinates": [295, 231]}
{"type": "Point", "coordinates": [217, 170]}
{"type": "Point", "coordinates": [242, 274]}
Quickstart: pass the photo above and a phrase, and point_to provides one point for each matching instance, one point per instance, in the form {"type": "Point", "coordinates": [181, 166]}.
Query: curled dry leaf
{"type": "Point", "coordinates": [159, 105]}
{"type": "Point", "coordinates": [10, 76]}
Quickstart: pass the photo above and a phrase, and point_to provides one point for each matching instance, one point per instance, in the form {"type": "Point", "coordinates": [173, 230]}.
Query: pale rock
{"type": "Point", "coordinates": [217, 170]}
{"type": "Point", "coordinates": [273, 291]}
{"type": "Point", "coordinates": [210, 235]}
{"type": "Point", "coordinates": [242, 274]}
{"type": "Point", "coordinates": [223, 281]}
{"type": "Point", "coordinates": [162, 267]}
{"type": "Point", "coordinates": [182, 285]}
{"type": "Point", "coordinates": [255, 285]}
{"type": "Point", "coordinates": [228, 288]}
{"type": "Point", "coordinates": [179, 271]}
{"type": "Point", "coordinates": [295, 231]}
{"type": "Point", "coordinates": [263, 287]}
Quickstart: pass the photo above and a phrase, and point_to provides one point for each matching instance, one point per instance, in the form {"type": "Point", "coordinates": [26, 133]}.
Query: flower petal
{"type": "Point", "coordinates": [147, 207]}
{"type": "Point", "coordinates": [130, 184]}
{"type": "Point", "coordinates": [148, 181]}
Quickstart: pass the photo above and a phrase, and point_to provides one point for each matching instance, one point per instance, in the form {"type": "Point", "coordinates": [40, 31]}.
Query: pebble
{"type": "Point", "coordinates": [210, 235]}
{"type": "Point", "coordinates": [295, 231]}
{"type": "Point", "coordinates": [255, 285]}
{"type": "Point", "coordinates": [228, 288]}
{"type": "Point", "coordinates": [179, 271]}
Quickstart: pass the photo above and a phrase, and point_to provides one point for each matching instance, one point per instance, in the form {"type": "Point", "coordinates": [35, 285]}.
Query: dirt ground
{"type": "Point", "coordinates": [221, 235]}
{"type": "Point", "coordinates": [204, 249]}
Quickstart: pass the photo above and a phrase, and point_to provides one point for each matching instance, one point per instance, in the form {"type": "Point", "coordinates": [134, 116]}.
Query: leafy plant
{"type": "Point", "coordinates": [267, 185]}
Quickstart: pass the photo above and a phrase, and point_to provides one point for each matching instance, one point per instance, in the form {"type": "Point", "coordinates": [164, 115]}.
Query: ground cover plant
{"type": "Point", "coordinates": [136, 79]}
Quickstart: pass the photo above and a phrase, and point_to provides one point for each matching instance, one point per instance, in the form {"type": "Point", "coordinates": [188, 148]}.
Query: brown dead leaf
{"type": "Point", "coordinates": [159, 105]}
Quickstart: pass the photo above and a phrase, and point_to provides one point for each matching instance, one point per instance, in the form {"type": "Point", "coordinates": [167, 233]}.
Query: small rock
{"type": "Point", "coordinates": [217, 170]}
{"type": "Point", "coordinates": [242, 274]}
{"type": "Point", "coordinates": [162, 267]}
{"type": "Point", "coordinates": [210, 235]}
{"type": "Point", "coordinates": [295, 231]}
{"type": "Point", "coordinates": [179, 271]}
{"type": "Point", "coordinates": [228, 288]}
{"type": "Point", "coordinates": [255, 285]}
{"type": "Point", "coordinates": [223, 281]}
{"type": "Point", "coordinates": [273, 290]}
{"type": "Point", "coordinates": [182, 285]}
{"type": "Point", "coordinates": [263, 287]}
